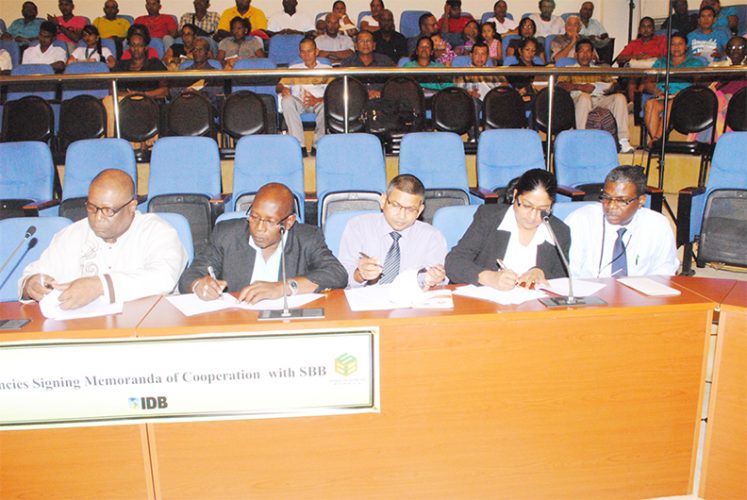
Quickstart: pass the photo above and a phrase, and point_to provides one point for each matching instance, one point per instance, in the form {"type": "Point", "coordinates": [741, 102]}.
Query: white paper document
{"type": "Point", "coordinates": [190, 304]}
{"type": "Point", "coordinates": [516, 295]}
{"type": "Point", "coordinates": [50, 308]}
{"type": "Point", "coordinates": [379, 298]}
{"type": "Point", "coordinates": [581, 288]}
{"type": "Point", "coordinates": [647, 286]}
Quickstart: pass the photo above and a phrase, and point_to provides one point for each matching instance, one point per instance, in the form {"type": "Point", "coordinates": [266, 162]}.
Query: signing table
{"type": "Point", "coordinates": [478, 401]}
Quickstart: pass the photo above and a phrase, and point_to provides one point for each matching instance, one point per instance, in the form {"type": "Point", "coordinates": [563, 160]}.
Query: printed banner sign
{"type": "Point", "coordinates": [213, 376]}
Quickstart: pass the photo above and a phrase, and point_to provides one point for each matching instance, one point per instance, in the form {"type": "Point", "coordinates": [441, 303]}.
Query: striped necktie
{"type": "Point", "coordinates": [619, 258]}
{"type": "Point", "coordinates": [391, 262]}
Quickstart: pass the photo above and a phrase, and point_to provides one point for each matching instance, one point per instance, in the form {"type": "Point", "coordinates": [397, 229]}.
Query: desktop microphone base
{"type": "Point", "coordinates": [288, 314]}
{"type": "Point", "coordinates": [565, 301]}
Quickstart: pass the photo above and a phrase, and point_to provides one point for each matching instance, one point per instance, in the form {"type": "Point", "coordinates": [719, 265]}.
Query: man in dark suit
{"type": "Point", "coordinates": [231, 260]}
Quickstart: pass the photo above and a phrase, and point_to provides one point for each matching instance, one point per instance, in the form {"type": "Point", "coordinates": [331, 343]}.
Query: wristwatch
{"type": "Point", "coordinates": [293, 286]}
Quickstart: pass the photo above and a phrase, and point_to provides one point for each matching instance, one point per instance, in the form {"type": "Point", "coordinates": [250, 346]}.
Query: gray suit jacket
{"type": "Point", "coordinates": [483, 243]}
{"type": "Point", "coordinates": [306, 255]}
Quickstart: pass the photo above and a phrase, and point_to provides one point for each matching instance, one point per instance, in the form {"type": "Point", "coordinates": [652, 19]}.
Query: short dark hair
{"type": "Point", "coordinates": [479, 43]}
{"type": "Point", "coordinates": [140, 30]}
{"type": "Point", "coordinates": [422, 18]}
{"type": "Point", "coordinates": [584, 41]}
{"type": "Point", "coordinates": [531, 180]}
{"type": "Point", "coordinates": [646, 18]}
{"type": "Point", "coordinates": [523, 43]}
{"type": "Point", "coordinates": [407, 183]}
{"type": "Point", "coordinates": [679, 35]}
{"type": "Point", "coordinates": [48, 27]}
{"type": "Point", "coordinates": [243, 20]}
{"type": "Point", "coordinates": [414, 55]}
{"type": "Point", "coordinates": [307, 39]}
{"type": "Point", "coordinates": [525, 21]}
{"type": "Point", "coordinates": [339, 1]}
{"type": "Point", "coordinates": [632, 174]}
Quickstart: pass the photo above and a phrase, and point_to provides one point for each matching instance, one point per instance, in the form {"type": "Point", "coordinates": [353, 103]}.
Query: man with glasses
{"type": "Point", "coordinates": [116, 252]}
{"type": "Point", "coordinates": [619, 237]}
{"type": "Point", "coordinates": [244, 255]}
{"type": "Point", "coordinates": [375, 248]}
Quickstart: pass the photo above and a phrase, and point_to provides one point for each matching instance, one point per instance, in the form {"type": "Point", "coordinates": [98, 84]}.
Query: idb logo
{"type": "Point", "coordinates": [148, 403]}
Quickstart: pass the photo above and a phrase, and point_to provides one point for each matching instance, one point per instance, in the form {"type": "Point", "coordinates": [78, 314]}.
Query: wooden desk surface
{"type": "Point", "coordinates": [711, 288]}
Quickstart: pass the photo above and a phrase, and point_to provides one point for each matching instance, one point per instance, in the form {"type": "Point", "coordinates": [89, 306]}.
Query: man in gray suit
{"type": "Point", "coordinates": [230, 261]}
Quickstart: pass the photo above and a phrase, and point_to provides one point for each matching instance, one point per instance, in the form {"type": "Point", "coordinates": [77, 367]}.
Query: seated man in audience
{"type": "Point", "coordinates": [595, 31]}
{"type": "Point", "coordinates": [452, 20]}
{"type": "Point", "coordinates": [213, 90]}
{"type": "Point", "coordinates": [159, 25]}
{"type": "Point", "coordinates": [205, 20]}
{"type": "Point", "coordinates": [390, 42]}
{"type": "Point", "coordinates": [592, 91]}
{"type": "Point", "coordinates": [375, 248]}
{"type": "Point", "coordinates": [682, 21]}
{"type": "Point", "coordinates": [726, 17]}
{"type": "Point", "coordinates": [547, 24]}
{"type": "Point", "coordinates": [306, 95]}
{"type": "Point", "coordinates": [45, 52]}
{"type": "Point", "coordinates": [117, 252]}
{"type": "Point", "coordinates": [26, 29]}
{"type": "Point", "coordinates": [370, 22]}
{"type": "Point", "coordinates": [244, 255]}
{"type": "Point", "coordinates": [479, 86]}
{"type": "Point", "coordinates": [565, 45]}
{"type": "Point", "coordinates": [244, 9]}
{"type": "Point", "coordinates": [111, 26]}
{"type": "Point", "coordinates": [334, 45]}
{"type": "Point", "coordinates": [365, 57]}
{"type": "Point", "coordinates": [69, 26]}
{"type": "Point", "coordinates": [706, 41]}
{"type": "Point", "coordinates": [240, 45]}
{"type": "Point", "coordinates": [503, 25]}
{"type": "Point", "coordinates": [427, 23]}
{"type": "Point", "coordinates": [619, 237]}
{"type": "Point", "coordinates": [290, 21]}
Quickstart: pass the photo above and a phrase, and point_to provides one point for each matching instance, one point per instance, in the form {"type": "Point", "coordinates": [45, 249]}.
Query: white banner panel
{"type": "Point", "coordinates": [213, 376]}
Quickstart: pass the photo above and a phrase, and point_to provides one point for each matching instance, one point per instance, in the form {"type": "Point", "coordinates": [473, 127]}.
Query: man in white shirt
{"type": "Point", "coordinates": [117, 252]}
{"type": "Point", "coordinates": [375, 248]}
{"type": "Point", "coordinates": [289, 21]}
{"type": "Point", "coordinates": [45, 52]}
{"type": "Point", "coordinates": [305, 95]}
{"type": "Point", "coordinates": [503, 25]}
{"type": "Point", "coordinates": [546, 23]}
{"type": "Point", "coordinates": [334, 45]}
{"type": "Point", "coordinates": [618, 237]}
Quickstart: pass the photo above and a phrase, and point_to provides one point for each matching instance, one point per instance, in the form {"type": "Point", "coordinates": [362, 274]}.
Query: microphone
{"type": "Point", "coordinates": [29, 233]}
{"type": "Point", "coordinates": [286, 313]}
{"type": "Point", "coordinates": [565, 300]}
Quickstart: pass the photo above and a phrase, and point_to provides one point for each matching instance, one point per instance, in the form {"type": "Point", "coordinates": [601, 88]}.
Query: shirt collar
{"type": "Point", "coordinates": [510, 225]}
{"type": "Point", "coordinates": [259, 250]}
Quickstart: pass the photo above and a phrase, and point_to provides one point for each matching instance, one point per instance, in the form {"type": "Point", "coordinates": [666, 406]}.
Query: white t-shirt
{"type": "Point", "coordinates": [502, 27]}
{"type": "Point", "coordinates": [336, 44]}
{"type": "Point", "coordinates": [555, 26]}
{"type": "Point", "coordinates": [6, 63]}
{"type": "Point", "coordinates": [299, 21]}
{"type": "Point", "coordinates": [53, 54]}
{"type": "Point", "coordinates": [84, 54]}
{"type": "Point", "coordinates": [371, 20]}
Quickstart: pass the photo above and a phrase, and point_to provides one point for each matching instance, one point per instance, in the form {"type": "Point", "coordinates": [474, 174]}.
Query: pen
{"type": "Point", "coordinates": [367, 257]}
{"type": "Point", "coordinates": [501, 264]}
{"type": "Point", "coordinates": [211, 272]}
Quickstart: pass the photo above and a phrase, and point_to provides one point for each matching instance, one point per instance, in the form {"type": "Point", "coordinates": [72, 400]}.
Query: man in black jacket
{"type": "Point", "coordinates": [231, 260]}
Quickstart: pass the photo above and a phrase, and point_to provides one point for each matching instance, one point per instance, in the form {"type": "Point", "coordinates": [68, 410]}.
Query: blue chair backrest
{"type": "Point", "coordinates": [12, 47]}
{"type": "Point", "coordinates": [565, 62]}
{"type": "Point", "coordinates": [60, 44]}
{"type": "Point", "coordinates": [3, 28]}
{"type": "Point", "coordinates": [727, 172]}
{"type": "Point", "coordinates": [335, 225]}
{"type": "Point", "coordinates": [361, 15]}
{"type": "Point", "coordinates": [127, 18]}
{"type": "Point", "coordinates": [498, 161]}
{"type": "Point", "coordinates": [96, 89]}
{"type": "Point", "coordinates": [487, 15]}
{"type": "Point", "coordinates": [184, 165]}
{"type": "Point", "coordinates": [284, 48]}
{"type": "Point", "coordinates": [563, 209]}
{"type": "Point", "coordinates": [506, 40]}
{"type": "Point", "coordinates": [214, 63]}
{"type": "Point", "coordinates": [254, 63]}
{"type": "Point", "coordinates": [43, 90]}
{"type": "Point", "coordinates": [181, 224]}
{"type": "Point", "coordinates": [12, 231]}
{"type": "Point", "coordinates": [566, 15]}
{"type": "Point", "coordinates": [436, 158]}
{"type": "Point", "coordinates": [402, 61]}
{"type": "Point", "coordinates": [230, 216]}
{"type": "Point", "coordinates": [584, 156]}
{"type": "Point", "coordinates": [511, 60]}
{"type": "Point", "coordinates": [453, 222]}
{"type": "Point", "coordinates": [26, 171]}
{"type": "Point", "coordinates": [80, 170]}
{"type": "Point", "coordinates": [461, 62]}
{"type": "Point", "coordinates": [268, 158]}
{"type": "Point", "coordinates": [409, 22]}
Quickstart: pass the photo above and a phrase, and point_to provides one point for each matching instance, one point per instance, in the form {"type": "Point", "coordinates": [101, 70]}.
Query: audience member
{"type": "Point", "coordinates": [647, 46]}
{"type": "Point", "coordinates": [159, 25]}
{"type": "Point", "coordinates": [179, 52]}
{"type": "Point", "coordinates": [93, 51]}
{"type": "Point", "coordinates": [525, 84]}
{"type": "Point", "coordinates": [547, 24]}
{"type": "Point", "coordinates": [140, 61]}
{"type": "Point", "coordinates": [682, 21]}
{"type": "Point", "coordinates": [527, 30]}
{"type": "Point", "coordinates": [376, 248]}
{"type": "Point", "coordinates": [705, 41]}
{"type": "Point", "coordinates": [347, 26]}
{"type": "Point", "coordinates": [204, 21]}
{"type": "Point", "coordinates": [493, 42]}
{"type": "Point", "coordinates": [111, 26]}
{"type": "Point", "coordinates": [366, 57]}
{"type": "Point", "coordinates": [427, 24]}
{"type": "Point", "coordinates": [596, 91]}
{"type": "Point", "coordinates": [423, 58]}
{"type": "Point", "coordinates": [290, 21]}
{"type": "Point", "coordinates": [442, 51]}
{"type": "Point", "coordinates": [213, 90]}
{"type": "Point", "coordinates": [479, 86]}
{"type": "Point", "coordinates": [726, 17]}
{"type": "Point", "coordinates": [565, 45]}
{"type": "Point", "coordinates": [44, 52]}
{"type": "Point", "coordinates": [243, 9]}
{"type": "Point", "coordinates": [507, 244]}
{"type": "Point", "coordinates": [306, 95]}
{"type": "Point", "coordinates": [244, 255]}
{"type": "Point", "coordinates": [334, 45]}
{"type": "Point", "coordinates": [452, 20]}
{"type": "Point", "coordinates": [470, 34]}
{"type": "Point", "coordinates": [389, 42]}
{"type": "Point", "coordinates": [69, 26]}
{"type": "Point", "coordinates": [240, 45]}
{"type": "Point", "coordinates": [619, 237]}
{"type": "Point", "coordinates": [26, 29]}
{"type": "Point", "coordinates": [141, 30]}
{"type": "Point", "coordinates": [503, 25]}
{"type": "Point", "coordinates": [116, 252]}
{"type": "Point", "coordinates": [595, 31]}
{"type": "Point", "coordinates": [370, 22]}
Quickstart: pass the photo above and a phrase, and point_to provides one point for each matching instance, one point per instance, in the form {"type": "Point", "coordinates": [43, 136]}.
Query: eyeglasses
{"type": "Point", "coordinates": [105, 211]}
{"type": "Point", "coordinates": [532, 208]}
{"type": "Point", "coordinates": [397, 206]}
{"type": "Point", "coordinates": [258, 221]}
{"type": "Point", "coordinates": [609, 200]}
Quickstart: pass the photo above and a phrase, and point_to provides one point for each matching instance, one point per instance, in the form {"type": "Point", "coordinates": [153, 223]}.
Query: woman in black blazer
{"type": "Point", "coordinates": [507, 243]}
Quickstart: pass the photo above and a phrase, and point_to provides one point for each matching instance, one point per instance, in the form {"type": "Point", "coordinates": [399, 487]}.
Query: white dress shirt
{"type": "Point", "coordinates": [53, 54]}
{"type": "Point", "coordinates": [299, 21]}
{"type": "Point", "coordinates": [267, 270]}
{"type": "Point", "coordinates": [520, 258]}
{"type": "Point", "coordinates": [555, 26]}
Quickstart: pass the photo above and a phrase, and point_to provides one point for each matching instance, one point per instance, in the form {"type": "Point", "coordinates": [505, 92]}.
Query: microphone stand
{"type": "Point", "coordinates": [29, 233]}
{"type": "Point", "coordinates": [566, 300]}
{"type": "Point", "coordinates": [665, 124]}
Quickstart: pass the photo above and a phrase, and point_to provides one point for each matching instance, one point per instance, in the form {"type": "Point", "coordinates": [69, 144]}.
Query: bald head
{"type": "Point", "coordinates": [111, 204]}
{"type": "Point", "coordinates": [114, 180]}
{"type": "Point", "coordinates": [277, 194]}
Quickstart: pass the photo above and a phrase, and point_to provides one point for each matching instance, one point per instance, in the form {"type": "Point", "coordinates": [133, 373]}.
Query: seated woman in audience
{"type": "Point", "coordinates": [470, 35]}
{"type": "Point", "coordinates": [507, 244]}
{"type": "Point", "coordinates": [442, 51]}
{"type": "Point", "coordinates": [141, 30]}
{"type": "Point", "coordinates": [423, 58]}
{"type": "Point", "coordinates": [527, 29]}
{"type": "Point", "coordinates": [180, 52]}
{"type": "Point", "coordinates": [525, 84]}
{"type": "Point", "coordinates": [93, 51]}
{"type": "Point", "coordinates": [371, 21]}
{"type": "Point", "coordinates": [346, 25]}
{"type": "Point", "coordinates": [654, 107]}
{"type": "Point", "coordinates": [240, 45]}
{"type": "Point", "coordinates": [494, 42]}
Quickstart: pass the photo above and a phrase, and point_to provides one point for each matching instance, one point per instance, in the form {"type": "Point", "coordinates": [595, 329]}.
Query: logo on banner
{"type": "Point", "coordinates": [346, 364]}
{"type": "Point", "coordinates": [148, 403]}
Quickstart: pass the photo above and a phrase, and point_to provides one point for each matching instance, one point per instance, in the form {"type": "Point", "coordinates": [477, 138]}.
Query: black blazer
{"type": "Point", "coordinates": [483, 243]}
{"type": "Point", "coordinates": [306, 255]}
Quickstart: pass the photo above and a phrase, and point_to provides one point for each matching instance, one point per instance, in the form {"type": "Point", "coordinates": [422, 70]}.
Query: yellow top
{"type": "Point", "coordinates": [256, 18]}
{"type": "Point", "coordinates": [108, 29]}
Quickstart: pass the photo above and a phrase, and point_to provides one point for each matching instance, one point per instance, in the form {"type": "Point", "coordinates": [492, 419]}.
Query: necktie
{"type": "Point", "coordinates": [391, 262]}
{"type": "Point", "coordinates": [619, 259]}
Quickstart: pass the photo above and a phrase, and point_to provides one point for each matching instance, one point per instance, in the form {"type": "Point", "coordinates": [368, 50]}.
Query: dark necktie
{"type": "Point", "coordinates": [619, 259]}
{"type": "Point", "coordinates": [391, 262]}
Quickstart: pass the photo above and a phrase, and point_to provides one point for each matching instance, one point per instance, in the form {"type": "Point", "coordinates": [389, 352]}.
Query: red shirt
{"type": "Point", "coordinates": [656, 47]}
{"type": "Point", "coordinates": [158, 26]}
{"type": "Point", "coordinates": [152, 54]}
{"type": "Point", "coordinates": [76, 23]}
{"type": "Point", "coordinates": [456, 25]}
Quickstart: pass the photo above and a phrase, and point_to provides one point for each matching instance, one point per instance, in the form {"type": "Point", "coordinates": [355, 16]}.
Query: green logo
{"type": "Point", "coordinates": [346, 364]}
